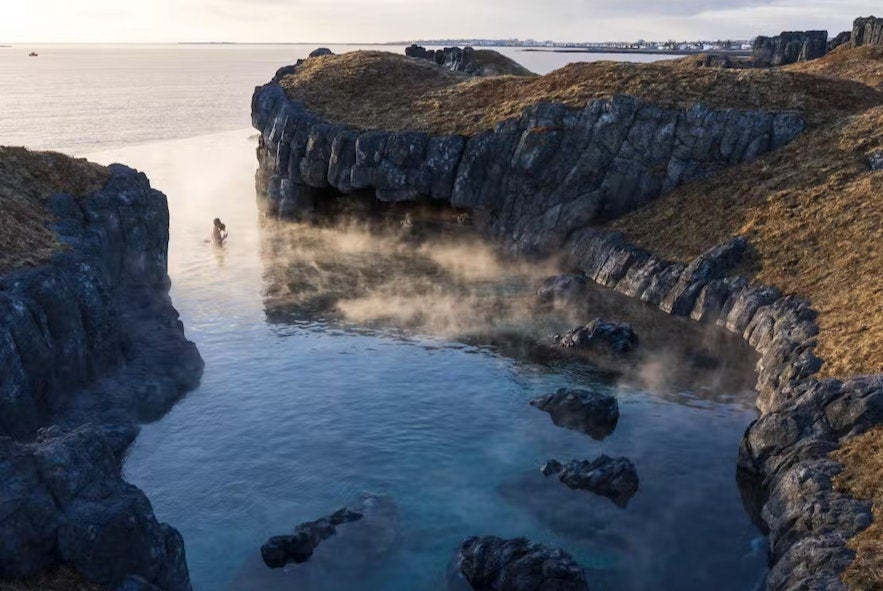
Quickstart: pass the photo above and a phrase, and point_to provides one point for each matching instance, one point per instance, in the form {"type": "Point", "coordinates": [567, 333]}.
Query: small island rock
{"type": "Point", "coordinates": [593, 413]}
{"type": "Point", "coordinates": [617, 337]}
{"type": "Point", "coordinates": [616, 479]}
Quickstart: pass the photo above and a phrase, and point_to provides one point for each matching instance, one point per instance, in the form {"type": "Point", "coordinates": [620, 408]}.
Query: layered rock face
{"type": "Point", "coordinates": [484, 62]}
{"type": "Point", "coordinates": [867, 31]}
{"type": "Point", "coordinates": [531, 181]}
{"type": "Point", "coordinates": [790, 47]}
{"type": "Point", "coordinates": [91, 345]}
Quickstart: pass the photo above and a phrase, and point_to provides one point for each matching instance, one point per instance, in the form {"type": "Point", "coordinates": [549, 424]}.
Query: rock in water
{"type": "Point", "coordinates": [615, 479]}
{"type": "Point", "coordinates": [562, 287]}
{"type": "Point", "coordinates": [379, 511]}
{"type": "Point", "coordinates": [593, 413]}
{"type": "Point", "coordinates": [618, 337]}
{"type": "Point", "coordinates": [490, 563]}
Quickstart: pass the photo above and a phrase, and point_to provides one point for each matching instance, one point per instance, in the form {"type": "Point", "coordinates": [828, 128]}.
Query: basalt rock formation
{"type": "Point", "coordinates": [616, 337]}
{"type": "Point", "coordinates": [490, 563]}
{"type": "Point", "coordinates": [91, 345]}
{"type": "Point", "coordinates": [790, 47]}
{"type": "Point", "coordinates": [615, 479]}
{"type": "Point", "coordinates": [482, 62]}
{"type": "Point", "coordinates": [298, 547]}
{"type": "Point", "coordinates": [531, 182]}
{"type": "Point", "coordinates": [593, 413]}
{"type": "Point", "coordinates": [867, 31]}
{"type": "Point", "coordinates": [841, 39]}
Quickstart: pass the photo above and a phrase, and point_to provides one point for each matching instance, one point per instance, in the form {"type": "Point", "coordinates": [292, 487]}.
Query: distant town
{"type": "Point", "coordinates": [734, 45]}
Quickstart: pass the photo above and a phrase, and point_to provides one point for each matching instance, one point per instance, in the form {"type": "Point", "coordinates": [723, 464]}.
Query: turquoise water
{"type": "Point", "coordinates": [337, 363]}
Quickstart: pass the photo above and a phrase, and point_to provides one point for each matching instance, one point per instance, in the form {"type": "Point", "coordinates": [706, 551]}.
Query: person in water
{"type": "Point", "coordinates": [219, 232]}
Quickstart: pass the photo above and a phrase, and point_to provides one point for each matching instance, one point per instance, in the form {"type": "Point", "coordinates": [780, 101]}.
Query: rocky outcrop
{"type": "Point", "coordinates": [568, 287]}
{"type": "Point", "coordinates": [789, 47]}
{"type": "Point", "coordinates": [377, 512]}
{"type": "Point", "coordinates": [490, 563]}
{"type": "Point", "coordinates": [91, 345]}
{"type": "Point", "coordinates": [867, 31]}
{"type": "Point", "coordinates": [593, 413]}
{"type": "Point", "coordinates": [875, 161]}
{"type": "Point", "coordinates": [615, 337]}
{"type": "Point", "coordinates": [483, 62]}
{"type": "Point", "coordinates": [841, 39]}
{"type": "Point", "coordinates": [64, 501]}
{"type": "Point", "coordinates": [531, 182]}
{"type": "Point", "coordinates": [616, 479]}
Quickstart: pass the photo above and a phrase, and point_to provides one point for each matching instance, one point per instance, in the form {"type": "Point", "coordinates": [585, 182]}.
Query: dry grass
{"type": "Point", "coordinates": [494, 63]}
{"type": "Point", "coordinates": [858, 64]}
{"type": "Point", "coordinates": [377, 90]}
{"type": "Point", "coordinates": [26, 180]}
{"type": "Point", "coordinates": [54, 579]}
{"type": "Point", "coordinates": [862, 460]}
{"type": "Point", "coordinates": [814, 213]}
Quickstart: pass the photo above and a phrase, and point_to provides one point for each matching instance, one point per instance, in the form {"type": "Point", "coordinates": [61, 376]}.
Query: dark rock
{"type": "Point", "coordinates": [306, 538]}
{"type": "Point", "coordinates": [711, 265]}
{"type": "Point", "coordinates": [320, 52]}
{"type": "Point", "coordinates": [534, 180]}
{"type": "Point", "coordinates": [134, 583]}
{"type": "Point", "coordinates": [490, 563]}
{"type": "Point", "coordinates": [618, 337]}
{"type": "Point", "coordinates": [790, 47]}
{"type": "Point", "coordinates": [843, 38]}
{"type": "Point", "coordinates": [551, 467]}
{"type": "Point", "coordinates": [592, 413]}
{"type": "Point", "coordinates": [867, 31]}
{"type": "Point", "coordinates": [615, 479]}
{"type": "Point", "coordinates": [875, 160]}
{"type": "Point", "coordinates": [562, 287]}
{"type": "Point", "coordinates": [485, 62]}
{"type": "Point", "coordinates": [65, 501]}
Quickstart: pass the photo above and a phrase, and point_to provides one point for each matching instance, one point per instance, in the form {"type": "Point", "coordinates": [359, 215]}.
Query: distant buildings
{"type": "Point", "coordinates": [640, 45]}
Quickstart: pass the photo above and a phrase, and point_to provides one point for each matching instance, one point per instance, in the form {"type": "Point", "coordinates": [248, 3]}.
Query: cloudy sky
{"type": "Point", "coordinates": [389, 20]}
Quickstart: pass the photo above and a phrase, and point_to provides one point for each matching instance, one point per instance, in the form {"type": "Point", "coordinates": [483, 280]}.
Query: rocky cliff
{"type": "Point", "coordinates": [790, 47]}
{"type": "Point", "coordinates": [480, 62]}
{"type": "Point", "coordinates": [91, 345]}
{"type": "Point", "coordinates": [531, 181]}
{"type": "Point", "coordinates": [867, 31]}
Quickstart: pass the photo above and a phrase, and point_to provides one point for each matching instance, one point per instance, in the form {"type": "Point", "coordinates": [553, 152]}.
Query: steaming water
{"type": "Point", "coordinates": [309, 400]}
{"type": "Point", "coordinates": [337, 361]}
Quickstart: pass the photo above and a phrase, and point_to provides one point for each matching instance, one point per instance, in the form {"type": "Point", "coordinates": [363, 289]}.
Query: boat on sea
{"type": "Point", "coordinates": [33, 54]}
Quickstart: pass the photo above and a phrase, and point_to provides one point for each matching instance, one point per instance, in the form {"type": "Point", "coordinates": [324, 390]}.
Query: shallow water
{"type": "Point", "coordinates": [308, 401]}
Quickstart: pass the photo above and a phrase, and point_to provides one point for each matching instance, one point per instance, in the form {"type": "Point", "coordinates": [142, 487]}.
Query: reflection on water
{"type": "Point", "coordinates": [342, 361]}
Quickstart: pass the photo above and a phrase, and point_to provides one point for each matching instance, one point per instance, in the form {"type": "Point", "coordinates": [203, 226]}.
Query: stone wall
{"type": "Point", "coordinates": [91, 345]}
{"type": "Point", "coordinates": [532, 180]}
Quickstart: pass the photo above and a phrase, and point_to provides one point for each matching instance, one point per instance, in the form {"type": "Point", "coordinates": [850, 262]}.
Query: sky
{"type": "Point", "coordinates": [369, 21]}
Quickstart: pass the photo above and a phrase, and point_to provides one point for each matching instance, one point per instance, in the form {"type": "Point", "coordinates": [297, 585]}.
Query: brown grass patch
{"type": "Point", "coordinates": [859, 64]}
{"type": "Point", "coordinates": [26, 180]}
{"type": "Point", "coordinates": [54, 579]}
{"type": "Point", "coordinates": [862, 460]}
{"type": "Point", "coordinates": [814, 213]}
{"type": "Point", "coordinates": [377, 90]}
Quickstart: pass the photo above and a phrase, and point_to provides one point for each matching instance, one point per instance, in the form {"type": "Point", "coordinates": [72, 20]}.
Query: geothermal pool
{"type": "Point", "coordinates": [342, 361]}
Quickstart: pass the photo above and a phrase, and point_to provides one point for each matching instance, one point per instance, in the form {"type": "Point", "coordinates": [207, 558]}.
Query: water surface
{"type": "Point", "coordinates": [308, 402]}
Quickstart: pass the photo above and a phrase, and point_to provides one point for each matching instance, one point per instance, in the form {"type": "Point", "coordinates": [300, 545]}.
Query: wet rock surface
{"type": "Point", "coordinates": [790, 47]}
{"type": "Point", "coordinates": [616, 479]}
{"type": "Point", "coordinates": [616, 337]}
{"type": "Point", "coordinates": [593, 413]}
{"type": "Point", "coordinates": [531, 181]}
{"type": "Point", "coordinates": [490, 563]}
{"type": "Point", "coordinates": [91, 346]}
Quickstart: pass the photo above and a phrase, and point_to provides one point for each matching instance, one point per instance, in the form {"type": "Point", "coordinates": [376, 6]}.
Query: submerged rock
{"type": "Point", "coordinates": [300, 545]}
{"type": "Point", "coordinates": [615, 479]}
{"type": "Point", "coordinates": [490, 563]}
{"type": "Point", "coordinates": [593, 413]}
{"type": "Point", "coordinates": [562, 287]}
{"type": "Point", "coordinates": [617, 337]}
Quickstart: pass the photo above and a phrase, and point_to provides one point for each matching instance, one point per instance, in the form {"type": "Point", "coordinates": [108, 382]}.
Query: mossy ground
{"type": "Point", "coordinates": [26, 179]}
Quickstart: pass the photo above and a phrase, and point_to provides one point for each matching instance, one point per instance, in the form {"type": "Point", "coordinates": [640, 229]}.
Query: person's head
{"type": "Point", "coordinates": [219, 224]}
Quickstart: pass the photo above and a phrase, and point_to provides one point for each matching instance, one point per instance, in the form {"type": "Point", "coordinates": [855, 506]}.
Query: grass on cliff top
{"type": "Point", "coordinates": [813, 212]}
{"type": "Point", "coordinates": [53, 579]}
{"type": "Point", "coordinates": [379, 90]}
{"type": "Point", "coordinates": [862, 460]}
{"type": "Point", "coordinates": [26, 179]}
{"type": "Point", "coordinates": [858, 64]}
{"type": "Point", "coordinates": [495, 63]}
